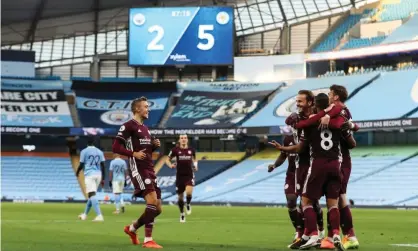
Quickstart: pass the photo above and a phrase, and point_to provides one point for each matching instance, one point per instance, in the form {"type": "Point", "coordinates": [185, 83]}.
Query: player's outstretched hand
{"type": "Point", "coordinates": [324, 122]}
{"type": "Point", "coordinates": [139, 155]}
{"type": "Point", "coordinates": [271, 168]}
{"type": "Point", "coordinates": [276, 145]}
{"type": "Point", "coordinates": [156, 143]}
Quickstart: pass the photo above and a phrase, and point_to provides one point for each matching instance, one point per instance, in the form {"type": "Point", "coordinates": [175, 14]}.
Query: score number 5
{"type": "Point", "coordinates": [202, 34]}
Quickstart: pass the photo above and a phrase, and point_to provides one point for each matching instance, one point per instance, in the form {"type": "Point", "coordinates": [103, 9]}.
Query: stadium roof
{"type": "Point", "coordinates": [26, 21]}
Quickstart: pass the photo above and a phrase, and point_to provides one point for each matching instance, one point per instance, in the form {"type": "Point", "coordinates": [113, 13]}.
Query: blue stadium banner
{"type": "Point", "coordinates": [24, 105]}
{"type": "Point", "coordinates": [181, 36]}
{"type": "Point", "coordinates": [214, 109]}
{"type": "Point", "coordinates": [106, 109]}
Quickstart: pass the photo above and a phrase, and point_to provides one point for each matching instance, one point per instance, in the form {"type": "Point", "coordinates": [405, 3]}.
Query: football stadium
{"type": "Point", "coordinates": [209, 125]}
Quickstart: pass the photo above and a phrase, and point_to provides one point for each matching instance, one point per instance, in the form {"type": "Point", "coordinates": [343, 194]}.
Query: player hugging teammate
{"type": "Point", "coordinates": [183, 158]}
{"type": "Point", "coordinates": [327, 172]}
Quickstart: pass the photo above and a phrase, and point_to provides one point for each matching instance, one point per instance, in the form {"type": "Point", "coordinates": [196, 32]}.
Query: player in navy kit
{"type": "Point", "coordinates": [324, 176]}
{"type": "Point", "coordinates": [290, 185]}
{"type": "Point", "coordinates": [134, 140]}
{"type": "Point", "coordinates": [184, 158]}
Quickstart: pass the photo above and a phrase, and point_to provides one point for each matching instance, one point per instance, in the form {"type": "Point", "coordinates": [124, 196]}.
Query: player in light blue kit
{"type": "Point", "coordinates": [117, 180]}
{"type": "Point", "coordinates": [92, 161]}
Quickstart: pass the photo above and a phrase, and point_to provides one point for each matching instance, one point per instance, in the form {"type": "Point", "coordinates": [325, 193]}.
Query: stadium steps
{"type": "Point", "coordinates": [38, 176]}
{"type": "Point", "coordinates": [75, 160]}
{"type": "Point", "coordinates": [395, 184]}
{"type": "Point", "coordinates": [413, 200]}
{"type": "Point", "coordinates": [383, 168]}
{"type": "Point", "coordinates": [327, 32]}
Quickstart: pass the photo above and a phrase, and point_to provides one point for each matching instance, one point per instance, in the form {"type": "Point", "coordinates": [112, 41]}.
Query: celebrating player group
{"type": "Point", "coordinates": [319, 164]}
{"type": "Point", "coordinates": [321, 141]}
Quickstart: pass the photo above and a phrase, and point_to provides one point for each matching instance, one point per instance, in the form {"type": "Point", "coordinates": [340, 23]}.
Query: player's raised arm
{"type": "Point", "coordinates": [337, 122]}
{"type": "Point", "coordinates": [312, 120]}
{"type": "Point", "coordinates": [290, 149]}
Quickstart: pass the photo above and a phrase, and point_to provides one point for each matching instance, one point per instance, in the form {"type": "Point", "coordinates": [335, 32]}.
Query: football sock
{"type": "Point", "coordinates": [95, 205]}
{"type": "Point", "coordinates": [346, 221]}
{"type": "Point", "coordinates": [180, 203]}
{"type": "Point", "coordinates": [148, 231]}
{"type": "Point", "coordinates": [88, 207]}
{"type": "Point", "coordinates": [330, 235]}
{"type": "Point", "coordinates": [122, 203]}
{"type": "Point", "coordinates": [319, 216]}
{"type": "Point", "coordinates": [301, 222]}
{"type": "Point", "coordinates": [334, 220]}
{"type": "Point", "coordinates": [188, 199]}
{"type": "Point", "coordinates": [117, 201]}
{"type": "Point", "coordinates": [293, 214]}
{"type": "Point", "coordinates": [310, 221]}
{"type": "Point", "coordinates": [147, 217]}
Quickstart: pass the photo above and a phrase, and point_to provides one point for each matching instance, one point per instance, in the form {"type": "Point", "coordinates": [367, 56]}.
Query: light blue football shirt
{"type": "Point", "coordinates": [118, 166]}
{"type": "Point", "coordinates": [91, 156]}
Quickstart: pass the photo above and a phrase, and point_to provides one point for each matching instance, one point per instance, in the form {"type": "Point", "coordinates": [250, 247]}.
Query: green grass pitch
{"type": "Point", "coordinates": [42, 227]}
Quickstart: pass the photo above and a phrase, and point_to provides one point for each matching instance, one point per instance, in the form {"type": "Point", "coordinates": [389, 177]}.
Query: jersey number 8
{"type": "Point", "coordinates": [202, 34]}
{"type": "Point", "coordinates": [326, 139]}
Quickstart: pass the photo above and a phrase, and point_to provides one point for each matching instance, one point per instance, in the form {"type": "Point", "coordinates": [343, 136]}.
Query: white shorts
{"type": "Point", "coordinates": [118, 186]}
{"type": "Point", "coordinates": [92, 183]}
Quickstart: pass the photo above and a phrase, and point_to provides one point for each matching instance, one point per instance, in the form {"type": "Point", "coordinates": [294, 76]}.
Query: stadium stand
{"type": "Point", "coordinates": [362, 42]}
{"type": "Point", "coordinates": [371, 96]}
{"type": "Point", "coordinates": [38, 177]}
{"type": "Point", "coordinates": [333, 38]}
{"type": "Point", "coordinates": [400, 10]}
{"type": "Point", "coordinates": [249, 181]}
{"type": "Point", "coordinates": [273, 114]}
{"type": "Point", "coordinates": [406, 32]}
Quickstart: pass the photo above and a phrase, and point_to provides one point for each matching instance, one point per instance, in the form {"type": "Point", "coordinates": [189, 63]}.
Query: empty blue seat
{"type": "Point", "coordinates": [38, 177]}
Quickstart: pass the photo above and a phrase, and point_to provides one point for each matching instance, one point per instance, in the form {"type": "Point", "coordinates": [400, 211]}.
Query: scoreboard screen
{"type": "Point", "coordinates": [181, 36]}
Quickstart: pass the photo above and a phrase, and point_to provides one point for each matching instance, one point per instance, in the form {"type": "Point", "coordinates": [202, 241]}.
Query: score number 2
{"type": "Point", "coordinates": [202, 34]}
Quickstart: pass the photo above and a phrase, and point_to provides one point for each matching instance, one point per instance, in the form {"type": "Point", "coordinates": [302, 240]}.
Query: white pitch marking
{"type": "Point", "coordinates": [405, 245]}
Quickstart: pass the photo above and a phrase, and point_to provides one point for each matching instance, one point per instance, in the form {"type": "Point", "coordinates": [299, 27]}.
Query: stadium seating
{"type": "Point", "coordinates": [372, 95]}
{"type": "Point", "coordinates": [387, 187]}
{"type": "Point", "coordinates": [42, 178]}
{"type": "Point", "coordinates": [363, 42]}
{"type": "Point", "coordinates": [271, 114]}
{"type": "Point", "coordinates": [406, 32]}
{"type": "Point", "coordinates": [249, 181]}
{"type": "Point", "coordinates": [241, 175]}
{"type": "Point", "coordinates": [397, 11]}
{"type": "Point", "coordinates": [333, 38]}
